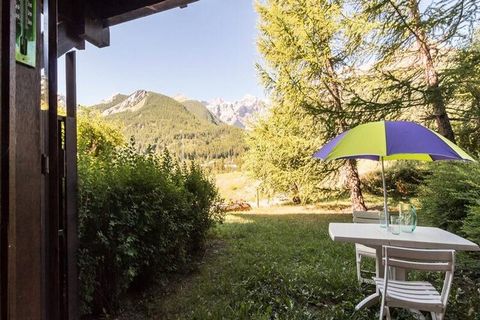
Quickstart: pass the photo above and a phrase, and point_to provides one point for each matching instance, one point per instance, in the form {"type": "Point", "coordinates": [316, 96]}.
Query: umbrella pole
{"type": "Point", "coordinates": [385, 207]}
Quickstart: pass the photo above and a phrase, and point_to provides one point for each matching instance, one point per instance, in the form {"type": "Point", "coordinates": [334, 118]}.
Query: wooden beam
{"type": "Point", "coordinates": [52, 276]}
{"type": "Point", "coordinates": [7, 98]}
{"type": "Point", "coordinates": [71, 186]}
{"type": "Point", "coordinates": [116, 12]}
{"type": "Point", "coordinates": [24, 188]}
{"type": "Point", "coordinates": [82, 21]}
{"type": "Point", "coordinates": [67, 39]}
{"type": "Point", "coordinates": [71, 25]}
{"type": "Point", "coordinates": [96, 33]}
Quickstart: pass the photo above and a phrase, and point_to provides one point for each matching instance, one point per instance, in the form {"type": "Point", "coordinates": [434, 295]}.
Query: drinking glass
{"type": "Point", "coordinates": [410, 220]}
{"type": "Point", "coordinates": [401, 209]}
{"type": "Point", "coordinates": [383, 219]}
{"type": "Point", "coordinates": [395, 225]}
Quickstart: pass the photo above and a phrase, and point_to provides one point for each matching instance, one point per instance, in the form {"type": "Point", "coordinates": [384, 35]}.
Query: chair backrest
{"type": "Point", "coordinates": [423, 260]}
{"type": "Point", "coordinates": [366, 217]}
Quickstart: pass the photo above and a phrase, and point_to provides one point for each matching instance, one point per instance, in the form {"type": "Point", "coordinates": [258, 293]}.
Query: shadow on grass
{"type": "Point", "coordinates": [271, 266]}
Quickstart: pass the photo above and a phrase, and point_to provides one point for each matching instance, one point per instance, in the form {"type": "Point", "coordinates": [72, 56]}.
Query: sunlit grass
{"type": "Point", "coordinates": [232, 218]}
{"type": "Point", "coordinates": [236, 186]}
{"type": "Point", "coordinates": [277, 266]}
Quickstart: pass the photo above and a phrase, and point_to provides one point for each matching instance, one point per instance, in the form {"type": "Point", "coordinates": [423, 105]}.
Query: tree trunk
{"type": "Point", "coordinates": [434, 94]}
{"type": "Point", "coordinates": [353, 180]}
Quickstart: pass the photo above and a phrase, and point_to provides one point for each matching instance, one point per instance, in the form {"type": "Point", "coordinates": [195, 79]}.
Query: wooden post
{"type": "Point", "coordinates": [7, 98]}
{"type": "Point", "coordinates": [20, 170]}
{"type": "Point", "coordinates": [71, 186]}
{"type": "Point", "coordinates": [52, 272]}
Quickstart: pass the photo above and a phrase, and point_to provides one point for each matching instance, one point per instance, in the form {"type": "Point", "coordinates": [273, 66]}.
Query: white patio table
{"type": "Point", "coordinates": [375, 236]}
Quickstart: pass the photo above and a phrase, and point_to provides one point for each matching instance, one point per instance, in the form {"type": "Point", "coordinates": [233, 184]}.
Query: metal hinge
{"type": "Point", "coordinates": [45, 164]}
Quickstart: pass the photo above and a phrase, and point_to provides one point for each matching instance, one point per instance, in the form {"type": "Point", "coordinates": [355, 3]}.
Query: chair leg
{"type": "Point", "coordinates": [385, 313]}
{"type": "Point", "coordinates": [359, 264]}
{"type": "Point", "coordinates": [383, 308]}
{"type": "Point", "coordinates": [437, 316]}
{"type": "Point", "coordinates": [388, 313]}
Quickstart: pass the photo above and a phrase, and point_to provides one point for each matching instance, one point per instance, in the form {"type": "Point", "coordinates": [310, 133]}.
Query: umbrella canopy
{"type": "Point", "coordinates": [391, 140]}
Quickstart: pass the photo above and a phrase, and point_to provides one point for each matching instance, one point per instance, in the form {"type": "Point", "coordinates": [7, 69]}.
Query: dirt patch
{"type": "Point", "coordinates": [299, 209]}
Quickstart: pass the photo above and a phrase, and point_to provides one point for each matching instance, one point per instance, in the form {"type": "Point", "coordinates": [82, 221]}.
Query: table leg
{"type": "Point", "coordinates": [373, 298]}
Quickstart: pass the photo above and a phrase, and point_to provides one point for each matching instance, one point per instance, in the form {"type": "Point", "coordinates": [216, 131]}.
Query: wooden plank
{"type": "Point", "coordinates": [90, 20]}
{"type": "Point", "coordinates": [114, 12]}
{"type": "Point", "coordinates": [25, 222]}
{"type": "Point", "coordinates": [68, 39]}
{"type": "Point", "coordinates": [96, 33]}
{"type": "Point", "coordinates": [7, 98]}
{"type": "Point", "coordinates": [44, 203]}
{"type": "Point", "coordinates": [62, 243]}
{"type": "Point", "coordinates": [71, 186]}
{"type": "Point", "coordinates": [71, 25]}
{"type": "Point", "coordinates": [25, 218]}
{"type": "Point", "coordinates": [52, 277]}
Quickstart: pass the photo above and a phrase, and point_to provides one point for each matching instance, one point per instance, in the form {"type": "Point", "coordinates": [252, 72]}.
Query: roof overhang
{"type": "Point", "coordinates": [90, 20]}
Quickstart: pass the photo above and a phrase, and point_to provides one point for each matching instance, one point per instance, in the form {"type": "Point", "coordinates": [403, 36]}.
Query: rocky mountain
{"type": "Point", "coordinates": [200, 111]}
{"type": "Point", "coordinates": [111, 102]}
{"type": "Point", "coordinates": [187, 129]}
{"type": "Point", "coordinates": [239, 113]}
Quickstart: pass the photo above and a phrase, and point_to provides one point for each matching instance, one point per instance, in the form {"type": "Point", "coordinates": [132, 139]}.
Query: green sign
{"type": "Point", "coordinates": [26, 35]}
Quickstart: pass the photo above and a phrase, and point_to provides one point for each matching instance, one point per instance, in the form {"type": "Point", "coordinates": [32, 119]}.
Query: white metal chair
{"type": "Point", "coordinates": [362, 250]}
{"type": "Point", "coordinates": [416, 295]}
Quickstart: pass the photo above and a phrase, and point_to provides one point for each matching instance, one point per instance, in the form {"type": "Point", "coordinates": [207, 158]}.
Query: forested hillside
{"type": "Point", "coordinates": [187, 129]}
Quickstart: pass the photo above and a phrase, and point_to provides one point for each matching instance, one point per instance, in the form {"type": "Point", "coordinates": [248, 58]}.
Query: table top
{"type": "Point", "coordinates": [421, 238]}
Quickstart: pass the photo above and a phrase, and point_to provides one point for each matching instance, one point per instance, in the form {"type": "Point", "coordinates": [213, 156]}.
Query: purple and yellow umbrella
{"type": "Point", "coordinates": [391, 140]}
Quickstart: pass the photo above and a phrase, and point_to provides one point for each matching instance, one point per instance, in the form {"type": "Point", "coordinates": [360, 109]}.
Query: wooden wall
{"type": "Point", "coordinates": [21, 177]}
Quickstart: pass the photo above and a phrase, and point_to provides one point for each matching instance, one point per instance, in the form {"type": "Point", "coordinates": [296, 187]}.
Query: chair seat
{"type": "Point", "coordinates": [418, 295]}
{"type": "Point", "coordinates": [365, 251]}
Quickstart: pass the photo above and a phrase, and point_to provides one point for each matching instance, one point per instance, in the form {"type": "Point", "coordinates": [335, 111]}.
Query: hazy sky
{"type": "Point", "coordinates": [204, 51]}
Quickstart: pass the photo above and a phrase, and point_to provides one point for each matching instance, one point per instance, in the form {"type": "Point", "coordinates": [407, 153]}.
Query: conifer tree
{"type": "Point", "coordinates": [418, 38]}
{"type": "Point", "coordinates": [280, 148]}
{"type": "Point", "coordinates": [308, 48]}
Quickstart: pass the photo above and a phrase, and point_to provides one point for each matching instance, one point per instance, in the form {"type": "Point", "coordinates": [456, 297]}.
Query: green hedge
{"type": "Point", "coordinates": [140, 216]}
{"type": "Point", "coordinates": [450, 199]}
{"type": "Point", "coordinates": [450, 195]}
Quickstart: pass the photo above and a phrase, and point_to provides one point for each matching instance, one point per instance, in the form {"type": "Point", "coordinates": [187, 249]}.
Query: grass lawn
{"type": "Point", "coordinates": [267, 266]}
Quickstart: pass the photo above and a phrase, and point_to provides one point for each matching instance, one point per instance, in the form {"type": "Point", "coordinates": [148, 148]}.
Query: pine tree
{"type": "Point", "coordinates": [308, 47]}
{"type": "Point", "coordinates": [280, 153]}
{"type": "Point", "coordinates": [417, 38]}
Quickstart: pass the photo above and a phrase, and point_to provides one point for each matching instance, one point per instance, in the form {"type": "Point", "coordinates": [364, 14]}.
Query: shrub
{"type": "Point", "coordinates": [449, 193]}
{"type": "Point", "coordinates": [402, 180]}
{"type": "Point", "coordinates": [471, 226]}
{"type": "Point", "coordinates": [450, 200]}
{"type": "Point", "coordinates": [139, 216]}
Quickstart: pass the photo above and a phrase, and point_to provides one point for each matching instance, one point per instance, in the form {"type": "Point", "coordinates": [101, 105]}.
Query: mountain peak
{"type": "Point", "coordinates": [111, 98]}
{"type": "Point", "coordinates": [134, 102]}
{"type": "Point", "coordinates": [238, 113]}
{"type": "Point", "coordinates": [180, 97]}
